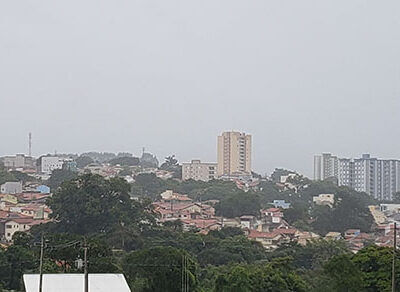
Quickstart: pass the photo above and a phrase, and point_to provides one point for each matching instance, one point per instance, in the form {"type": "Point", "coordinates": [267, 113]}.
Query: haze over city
{"type": "Point", "coordinates": [302, 77]}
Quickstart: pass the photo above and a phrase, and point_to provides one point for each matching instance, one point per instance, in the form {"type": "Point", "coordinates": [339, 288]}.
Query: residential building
{"type": "Point", "coordinates": [325, 166]}
{"type": "Point", "coordinates": [50, 163]}
{"type": "Point", "coordinates": [324, 200]}
{"type": "Point", "coordinates": [19, 161]}
{"type": "Point", "coordinates": [197, 170]}
{"type": "Point", "coordinates": [379, 178]}
{"type": "Point", "coordinates": [333, 236]}
{"type": "Point", "coordinates": [272, 215]}
{"type": "Point", "coordinates": [9, 226]}
{"type": "Point", "coordinates": [234, 154]}
{"type": "Point", "coordinates": [280, 204]}
{"type": "Point", "coordinates": [248, 221]}
{"type": "Point", "coordinates": [11, 187]}
{"type": "Point", "coordinates": [269, 240]}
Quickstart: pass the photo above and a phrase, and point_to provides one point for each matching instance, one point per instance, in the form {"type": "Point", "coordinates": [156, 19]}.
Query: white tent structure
{"type": "Point", "coordinates": [75, 283]}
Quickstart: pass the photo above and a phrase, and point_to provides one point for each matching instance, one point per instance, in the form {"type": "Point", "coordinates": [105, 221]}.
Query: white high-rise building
{"type": "Point", "coordinates": [325, 166]}
{"type": "Point", "coordinates": [376, 177]}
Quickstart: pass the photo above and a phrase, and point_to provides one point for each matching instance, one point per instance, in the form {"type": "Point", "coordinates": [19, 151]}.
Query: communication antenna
{"type": "Point", "coordinates": [143, 150]}
{"type": "Point", "coordinates": [30, 144]}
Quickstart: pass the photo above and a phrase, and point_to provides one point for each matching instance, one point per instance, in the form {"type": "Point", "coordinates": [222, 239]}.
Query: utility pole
{"type": "Point", "coordinates": [85, 249]}
{"type": "Point", "coordinates": [41, 264]}
{"type": "Point", "coordinates": [394, 260]}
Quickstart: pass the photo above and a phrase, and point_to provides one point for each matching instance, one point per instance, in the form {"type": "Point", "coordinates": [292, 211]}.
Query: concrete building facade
{"type": "Point", "coordinates": [379, 178]}
{"type": "Point", "coordinates": [197, 170]}
{"type": "Point", "coordinates": [11, 188]}
{"type": "Point", "coordinates": [325, 166]}
{"type": "Point", "coordinates": [234, 154]}
{"type": "Point", "coordinates": [18, 161]}
{"type": "Point", "coordinates": [50, 163]}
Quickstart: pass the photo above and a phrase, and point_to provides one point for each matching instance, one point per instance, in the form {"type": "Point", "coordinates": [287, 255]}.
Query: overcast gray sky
{"type": "Point", "coordinates": [302, 77]}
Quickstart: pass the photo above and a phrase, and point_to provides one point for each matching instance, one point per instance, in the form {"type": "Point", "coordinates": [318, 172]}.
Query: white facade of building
{"type": "Point", "coordinates": [50, 163]}
{"type": "Point", "coordinates": [325, 166]}
{"type": "Point", "coordinates": [11, 188]}
{"type": "Point", "coordinates": [376, 177]}
{"type": "Point", "coordinates": [10, 227]}
{"type": "Point", "coordinates": [324, 200]}
{"type": "Point", "coordinates": [197, 170]}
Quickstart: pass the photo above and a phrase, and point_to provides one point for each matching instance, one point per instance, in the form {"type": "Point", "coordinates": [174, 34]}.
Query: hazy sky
{"type": "Point", "coordinates": [302, 77]}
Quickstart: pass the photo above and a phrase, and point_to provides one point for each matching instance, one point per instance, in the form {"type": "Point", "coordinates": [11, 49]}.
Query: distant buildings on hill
{"type": "Point", "coordinates": [19, 161]}
{"type": "Point", "coordinates": [233, 160]}
{"type": "Point", "coordinates": [379, 178]}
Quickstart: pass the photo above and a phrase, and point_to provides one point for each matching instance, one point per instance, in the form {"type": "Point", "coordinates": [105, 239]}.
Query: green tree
{"type": "Point", "coordinates": [58, 176]}
{"type": "Point", "coordinates": [159, 269]}
{"type": "Point", "coordinates": [20, 260]}
{"type": "Point", "coordinates": [83, 161]}
{"type": "Point", "coordinates": [375, 264]}
{"type": "Point", "coordinates": [238, 204]}
{"type": "Point", "coordinates": [6, 176]}
{"type": "Point", "coordinates": [344, 274]}
{"type": "Point", "coordinates": [91, 204]}
{"type": "Point", "coordinates": [273, 276]}
{"type": "Point", "coordinates": [171, 164]}
{"type": "Point", "coordinates": [20, 176]}
{"type": "Point", "coordinates": [125, 161]}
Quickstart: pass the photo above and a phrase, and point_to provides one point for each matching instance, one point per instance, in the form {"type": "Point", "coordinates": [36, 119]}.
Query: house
{"type": "Point", "coordinates": [356, 240]}
{"type": "Point", "coordinates": [11, 222]}
{"type": "Point", "coordinates": [43, 189]}
{"type": "Point", "coordinates": [333, 235]}
{"type": "Point", "coordinates": [75, 282]}
{"type": "Point", "coordinates": [280, 204]}
{"type": "Point", "coordinates": [203, 225]}
{"type": "Point", "coordinates": [350, 233]}
{"type": "Point", "coordinates": [170, 211]}
{"type": "Point", "coordinates": [324, 200]}
{"type": "Point", "coordinates": [171, 196]}
{"type": "Point", "coordinates": [269, 240]}
{"type": "Point", "coordinates": [303, 238]}
{"type": "Point", "coordinates": [230, 222]}
{"type": "Point", "coordinates": [272, 215]}
{"type": "Point", "coordinates": [287, 232]}
{"type": "Point", "coordinates": [248, 221]}
{"type": "Point", "coordinates": [390, 208]}
{"type": "Point", "coordinates": [11, 225]}
{"type": "Point", "coordinates": [9, 199]}
{"type": "Point", "coordinates": [11, 187]}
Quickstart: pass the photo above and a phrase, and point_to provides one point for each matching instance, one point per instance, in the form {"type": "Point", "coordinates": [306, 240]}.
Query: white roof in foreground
{"type": "Point", "coordinates": [75, 283]}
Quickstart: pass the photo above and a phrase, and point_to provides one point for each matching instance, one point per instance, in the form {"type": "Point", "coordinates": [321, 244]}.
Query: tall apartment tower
{"type": "Point", "coordinates": [234, 154]}
{"type": "Point", "coordinates": [325, 166]}
{"type": "Point", "coordinates": [379, 178]}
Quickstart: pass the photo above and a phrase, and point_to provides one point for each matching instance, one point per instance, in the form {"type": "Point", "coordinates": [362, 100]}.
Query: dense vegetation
{"type": "Point", "coordinates": [123, 236]}
{"type": "Point", "coordinates": [349, 211]}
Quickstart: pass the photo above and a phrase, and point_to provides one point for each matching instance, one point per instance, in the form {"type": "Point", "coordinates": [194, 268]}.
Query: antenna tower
{"type": "Point", "coordinates": [30, 144]}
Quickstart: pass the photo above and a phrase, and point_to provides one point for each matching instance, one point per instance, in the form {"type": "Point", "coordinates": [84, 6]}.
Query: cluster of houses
{"type": "Point", "coordinates": [193, 215]}
{"type": "Point", "coordinates": [269, 228]}
{"type": "Point", "coordinates": [22, 208]}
